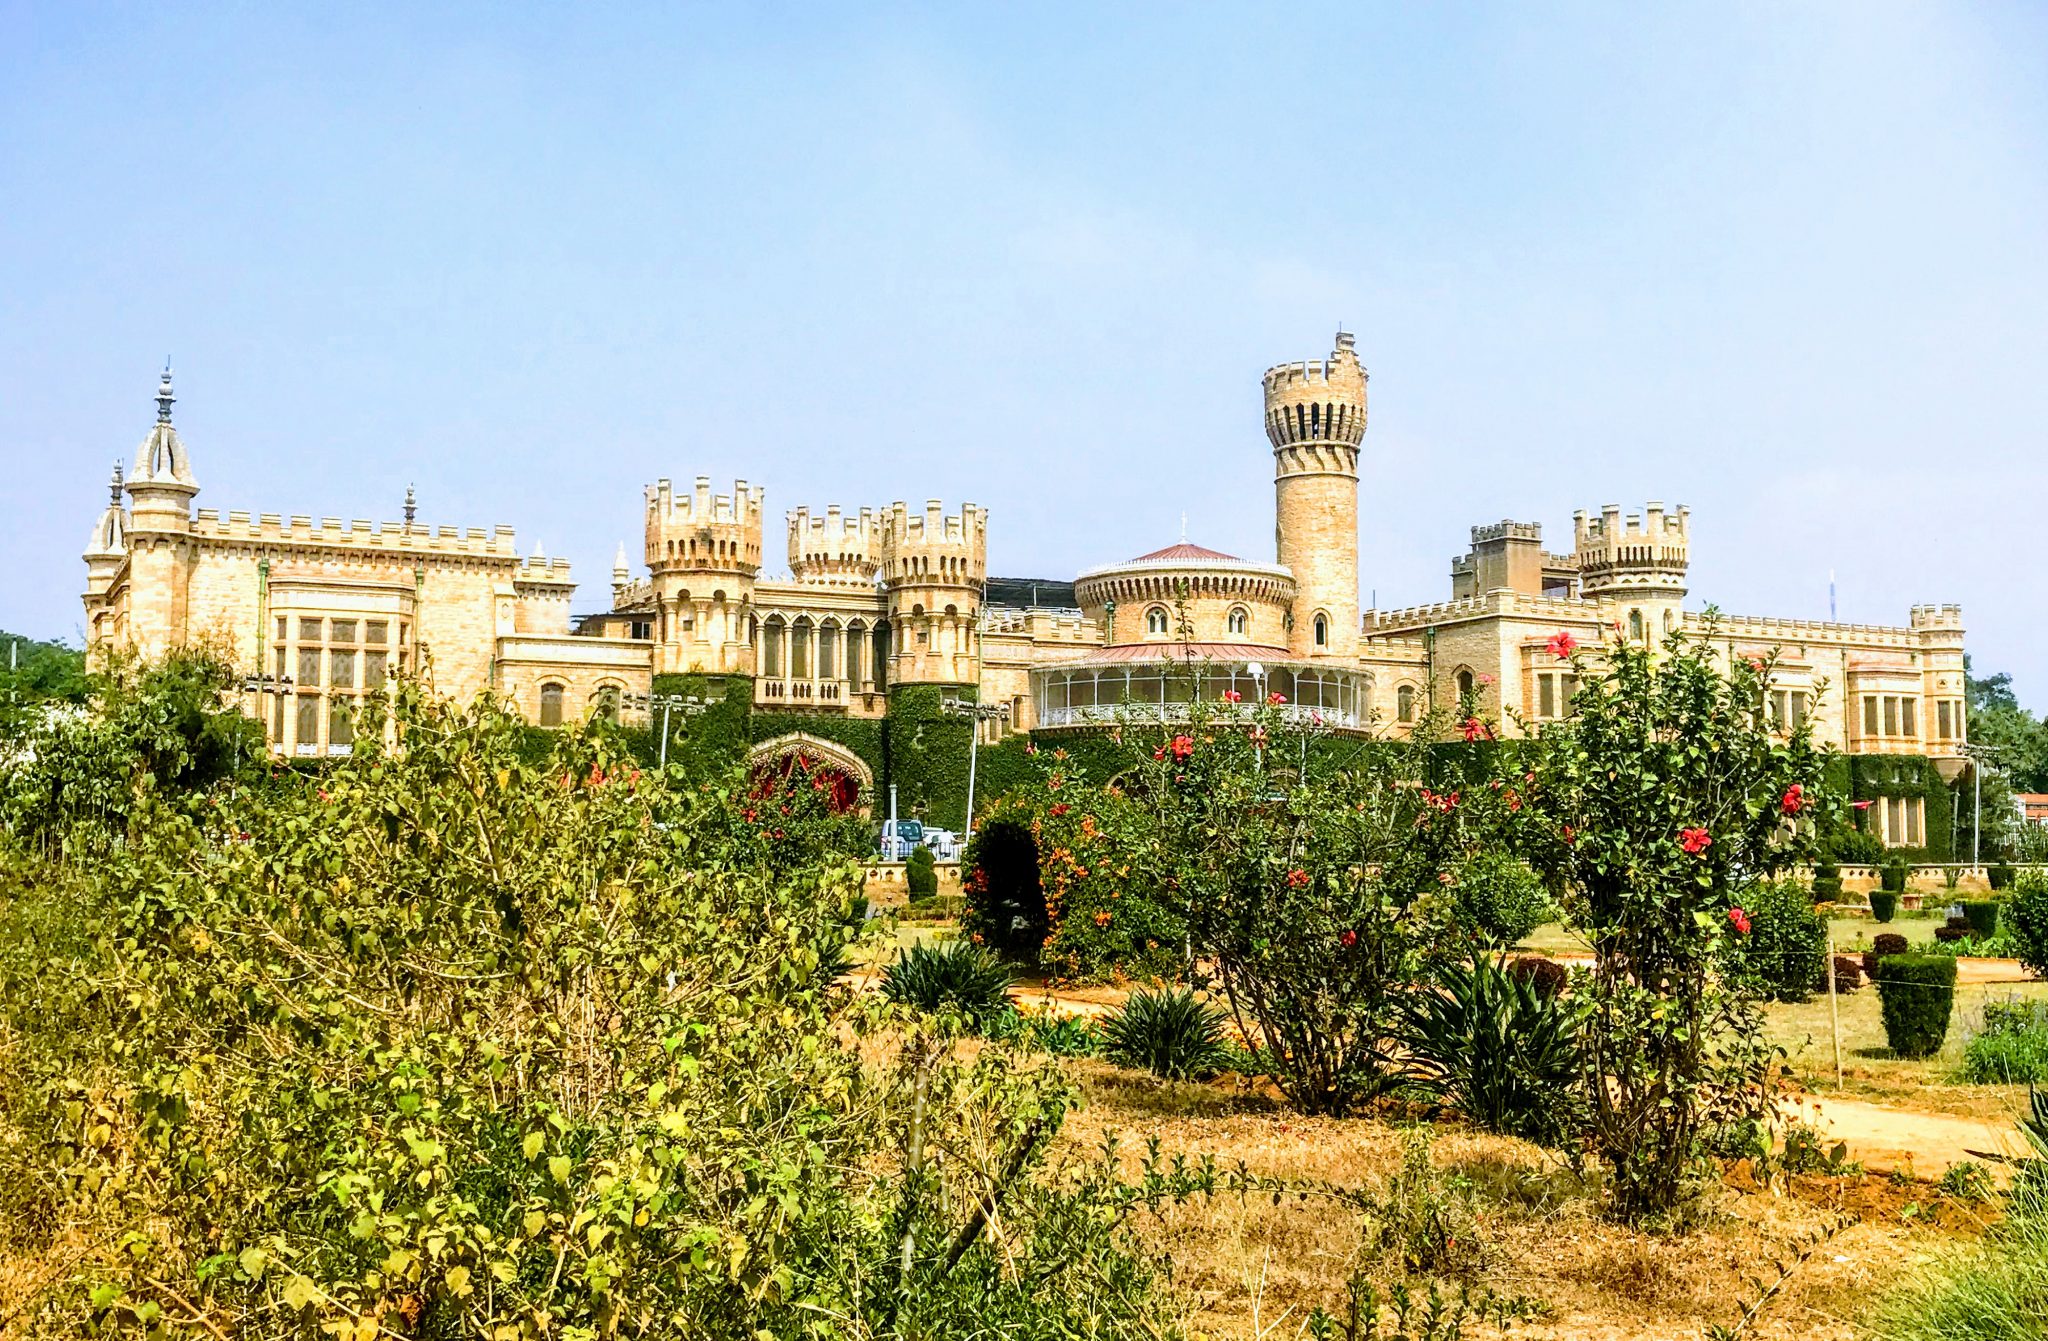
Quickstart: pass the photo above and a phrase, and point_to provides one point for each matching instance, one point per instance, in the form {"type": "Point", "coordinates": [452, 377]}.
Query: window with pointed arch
{"type": "Point", "coordinates": [1404, 704]}
{"type": "Point", "coordinates": [1322, 629]}
{"type": "Point", "coordinates": [1466, 685]}
{"type": "Point", "coordinates": [551, 705]}
{"type": "Point", "coordinates": [1155, 621]}
{"type": "Point", "coordinates": [1240, 620]}
{"type": "Point", "coordinates": [1635, 626]}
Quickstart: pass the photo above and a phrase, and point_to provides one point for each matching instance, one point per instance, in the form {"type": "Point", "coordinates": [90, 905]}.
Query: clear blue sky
{"type": "Point", "coordinates": [1785, 264]}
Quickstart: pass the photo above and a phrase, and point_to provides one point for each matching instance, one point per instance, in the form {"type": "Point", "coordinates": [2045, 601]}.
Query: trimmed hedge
{"type": "Point", "coordinates": [1887, 943]}
{"type": "Point", "coordinates": [2026, 918]}
{"type": "Point", "coordinates": [920, 874]}
{"type": "Point", "coordinates": [1982, 915]}
{"type": "Point", "coordinates": [1884, 904]}
{"type": "Point", "coordinates": [2000, 875]}
{"type": "Point", "coordinates": [1892, 875]}
{"type": "Point", "coordinates": [1917, 994]}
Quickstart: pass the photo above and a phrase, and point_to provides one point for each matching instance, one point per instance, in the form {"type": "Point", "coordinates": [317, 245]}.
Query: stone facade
{"type": "Point", "coordinates": [877, 597]}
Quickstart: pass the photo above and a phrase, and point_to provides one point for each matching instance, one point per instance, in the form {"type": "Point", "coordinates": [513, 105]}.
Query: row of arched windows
{"type": "Point", "coordinates": [1238, 621]}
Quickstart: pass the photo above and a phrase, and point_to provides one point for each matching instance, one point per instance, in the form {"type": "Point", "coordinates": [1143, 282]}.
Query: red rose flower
{"type": "Point", "coordinates": [1695, 841]}
{"type": "Point", "coordinates": [1562, 644]}
{"type": "Point", "coordinates": [1794, 799]}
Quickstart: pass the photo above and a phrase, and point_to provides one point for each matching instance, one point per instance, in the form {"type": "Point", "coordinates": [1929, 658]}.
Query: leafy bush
{"type": "Point", "coordinates": [1887, 943]}
{"type": "Point", "coordinates": [1982, 916]}
{"type": "Point", "coordinates": [1784, 953]}
{"type": "Point", "coordinates": [1060, 1035]}
{"type": "Point", "coordinates": [1502, 898]}
{"type": "Point", "coordinates": [1999, 875]}
{"type": "Point", "coordinates": [920, 875]}
{"type": "Point", "coordinates": [1990, 1290]}
{"type": "Point", "coordinates": [1954, 931]}
{"type": "Point", "coordinates": [1893, 875]}
{"type": "Point", "coordinates": [2011, 1047]}
{"type": "Point", "coordinates": [1171, 1032]}
{"type": "Point", "coordinates": [1957, 941]}
{"type": "Point", "coordinates": [1546, 976]}
{"type": "Point", "coordinates": [1917, 994]}
{"type": "Point", "coordinates": [1005, 901]}
{"type": "Point", "coordinates": [1884, 904]}
{"type": "Point", "coordinates": [2026, 919]}
{"type": "Point", "coordinates": [954, 975]}
{"type": "Point", "coordinates": [1495, 1048]}
{"type": "Point", "coordinates": [1856, 847]}
{"type": "Point", "coordinates": [1848, 971]}
{"type": "Point", "coordinates": [1423, 1218]}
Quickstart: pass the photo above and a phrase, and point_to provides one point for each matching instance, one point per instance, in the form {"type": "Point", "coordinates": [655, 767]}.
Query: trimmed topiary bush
{"type": "Point", "coordinates": [1503, 898]}
{"type": "Point", "coordinates": [921, 874]}
{"type": "Point", "coordinates": [1917, 994]}
{"type": "Point", "coordinates": [1884, 904]}
{"type": "Point", "coordinates": [1546, 976]}
{"type": "Point", "coordinates": [1172, 1033]}
{"type": "Point", "coordinates": [2026, 920]}
{"type": "Point", "coordinates": [1848, 973]}
{"type": "Point", "coordinates": [1887, 943]}
{"type": "Point", "coordinates": [1784, 954]}
{"type": "Point", "coordinates": [1982, 917]}
{"type": "Point", "coordinates": [2000, 875]}
{"type": "Point", "coordinates": [1955, 929]}
{"type": "Point", "coordinates": [1892, 875]}
{"type": "Point", "coordinates": [1827, 882]}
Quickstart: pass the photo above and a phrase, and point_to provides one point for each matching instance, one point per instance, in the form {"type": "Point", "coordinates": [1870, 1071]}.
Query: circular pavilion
{"type": "Point", "coordinates": [1187, 623]}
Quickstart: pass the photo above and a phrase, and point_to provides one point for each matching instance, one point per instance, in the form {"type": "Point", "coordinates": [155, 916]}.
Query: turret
{"type": "Point", "coordinates": [1637, 566]}
{"type": "Point", "coordinates": [622, 575]}
{"type": "Point", "coordinates": [835, 550]}
{"type": "Point", "coordinates": [161, 484]}
{"type": "Point", "coordinates": [933, 568]}
{"type": "Point", "coordinates": [106, 549]}
{"type": "Point", "coordinates": [160, 491]}
{"type": "Point", "coordinates": [1315, 420]}
{"type": "Point", "coordinates": [704, 551]}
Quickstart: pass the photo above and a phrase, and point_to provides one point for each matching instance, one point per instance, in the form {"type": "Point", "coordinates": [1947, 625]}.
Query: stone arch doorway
{"type": "Point", "coordinates": [846, 774]}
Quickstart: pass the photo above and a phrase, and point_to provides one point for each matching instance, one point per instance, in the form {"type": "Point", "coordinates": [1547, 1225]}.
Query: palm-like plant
{"type": "Point", "coordinates": [959, 975]}
{"type": "Point", "coordinates": [1492, 1046]}
{"type": "Point", "coordinates": [1172, 1033]}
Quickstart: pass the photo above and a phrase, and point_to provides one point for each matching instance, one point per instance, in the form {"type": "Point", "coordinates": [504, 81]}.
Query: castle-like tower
{"type": "Point", "coordinates": [1315, 419]}
{"type": "Point", "coordinates": [703, 552]}
{"type": "Point", "coordinates": [160, 493]}
{"type": "Point", "coordinates": [835, 550]}
{"type": "Point", "coordinates": [933, 568]}
{"type": "Point", "coordinates": [1635, 569]}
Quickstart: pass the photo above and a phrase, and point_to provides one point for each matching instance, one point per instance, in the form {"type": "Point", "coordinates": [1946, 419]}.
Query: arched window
{"type": "Point", "coordinates": [828, 650]}
{"type": "Point", "coordinates": [1240, 619]}
{"type": "Point", "coordinates": [1404, 703]}
{"type": "Point", "coordinates": [551, 705]}
{"type": "Point", "coordinates": [771, 647]}
{"type": "Point", "coordinates": [800, 648]}
{"type": "Point", "coordinates": [1670, 620]}
{"type": "Point", "coordinates": [1322, 630]}
{"type": "Point", "coordinates": [1465, 684]}
{"type": "Point", "coordinates": [1155, 620]}
{"type": "Point", "coordinates": [1635, 626]}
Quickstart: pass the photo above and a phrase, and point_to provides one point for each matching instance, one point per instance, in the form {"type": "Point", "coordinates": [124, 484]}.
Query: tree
{"type": "Point", "coordinates": [2018, 738]}
{"type": "Point", "coordinates": [1668, 799]}
{"type": "Point", "coordinates": [34, 675]}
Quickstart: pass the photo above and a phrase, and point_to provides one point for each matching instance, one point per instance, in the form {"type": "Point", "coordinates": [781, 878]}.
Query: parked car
{"type": "Point", "coordinates": [899, 838]}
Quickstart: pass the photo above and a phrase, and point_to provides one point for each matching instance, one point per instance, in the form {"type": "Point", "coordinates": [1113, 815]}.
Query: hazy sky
{"type": "Point", "coordinates": [1787, 264]}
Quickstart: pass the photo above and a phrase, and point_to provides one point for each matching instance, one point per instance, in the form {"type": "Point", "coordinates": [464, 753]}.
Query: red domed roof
{"type": "Point", "coordinates": [1184, 550]}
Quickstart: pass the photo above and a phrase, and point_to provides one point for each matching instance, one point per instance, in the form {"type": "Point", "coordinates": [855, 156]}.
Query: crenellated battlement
{"type": "Point", "coordinates": [1931, 617]}
{"type": "Point", "coordinates": [275, 528]}
{"type": "Point", "coordinates": [1508, 530]}
{"type": "Point", "coordinates": [837, 549]}
{"type": "Point", "coordinates": [539, 570]}
{"type": "Point", "coordinates": [701, 531]}
{"type": "Point", "coordinates": [1647, 551]}
{"type": "Point", "coordinates": [933, 548]}
{"type": "Point", "coordinates": [1039, 625]}
{"type": "Point", "coordinates": [1317, 401]}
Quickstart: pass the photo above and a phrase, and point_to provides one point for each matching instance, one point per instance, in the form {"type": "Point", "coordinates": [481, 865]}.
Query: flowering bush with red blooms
{"type": "Point", "coordinates": [1666, 801]}
{"type": "Point", "coordinates": [782, 819]}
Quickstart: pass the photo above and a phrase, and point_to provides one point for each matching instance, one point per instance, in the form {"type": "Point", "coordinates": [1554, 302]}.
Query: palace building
{"type": "Point", "coordinates": [877, 599]}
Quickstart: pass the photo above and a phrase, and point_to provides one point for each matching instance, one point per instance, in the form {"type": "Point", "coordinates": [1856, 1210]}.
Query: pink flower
{"type": "Point", "coordinates": [1695, 841]}
{"type": "Point", "coordinates": [1231, 696]}
{"type": "Point", "coordinates": [1755, 664]}
{"type": "Point", "coordinates": [322, 794]}
{"type": "Point", "coordinates": [1562, 644]}
{"type": "Point", "coordinates": [1183, 746]}
{"type": "Point", "coordinates": [1476, 730]}
{"type": "Point", "coordinates": [1259, 736]}
{"type": "Point", "coordinates": [1861, 805]}
{"type": "Point", "coordinates": [1794, 799]}
{"type": "Point", "coordinates": [1276, 699]}
{"type": "Point", "coordinates": [1739, 920]}
{"type": "Point", "coordinates": [1484, 678]}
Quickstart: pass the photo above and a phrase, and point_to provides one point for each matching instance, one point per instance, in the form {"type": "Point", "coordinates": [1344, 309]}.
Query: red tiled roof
{"type": "Point", "coordinates": [1184, 550]}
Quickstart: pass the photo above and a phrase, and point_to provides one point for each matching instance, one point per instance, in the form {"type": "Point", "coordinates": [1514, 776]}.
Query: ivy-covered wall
{"type": "Point", "coordinates": [1873, 777]}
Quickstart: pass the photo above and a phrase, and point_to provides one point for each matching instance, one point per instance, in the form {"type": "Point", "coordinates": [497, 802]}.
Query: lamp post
{"type": "Point", "coordinates": [976, 714]}
{"type": "Point", "coordinates": [689, 705]}
{"type": "Point", "coordinates": [1979, 755]}
{"type": "Point", "coordinates": [277, 686]}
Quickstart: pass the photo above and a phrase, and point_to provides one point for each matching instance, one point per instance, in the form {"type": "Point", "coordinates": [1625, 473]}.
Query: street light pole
{"type": "Point", "coordinates": [278, 686]}
{"type": "Point", "coordinates": [689, 705]}
{"type": "Point", "coordinates": [976, 713]}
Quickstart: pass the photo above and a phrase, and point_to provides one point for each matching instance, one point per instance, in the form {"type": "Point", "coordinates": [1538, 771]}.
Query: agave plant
{"type": "Point", "coordinates": [957, 975]}
{"type": "Point", "coordinates": [1492, 1046]}
{"type": "Point", "coordinates": [1172, 1033]}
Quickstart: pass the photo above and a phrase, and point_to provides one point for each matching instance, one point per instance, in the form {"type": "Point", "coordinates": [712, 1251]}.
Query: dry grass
{"type": "Point", "coordinates": [1254, 1267]}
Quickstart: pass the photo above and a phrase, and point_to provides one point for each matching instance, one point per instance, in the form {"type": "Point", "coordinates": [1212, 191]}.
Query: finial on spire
{"type": "Point", "coordinates": [411, 505]}
{"type": "Point", "coordinates": [164, 398]}
{"type": "Point", "coordinates": [1183, 528]}
{"type": "Point", "coordinates": [114, 488]}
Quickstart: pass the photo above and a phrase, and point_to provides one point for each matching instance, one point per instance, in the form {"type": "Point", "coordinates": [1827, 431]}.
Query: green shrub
{"type": "Point", "coordinates": [1172, 1033]}
{"type": "Point", "coordinates": [1917, 994]}
{"type": "Point", "coordinates": [957, 975]}
{"type": "Point", "coordinates": [1060, 1035]}
{"type": "Point", "coordinates": [1005, 899]}
{"type": "Point", "coordinates": [1887, 943]}
{"type": "Point", "coordinates": [1502, 898]}
{"type": "Point", "coordinates": [1982, 915]}
{"type": "Point", "coordinates": [2000, 875]}
{"type": "Point", "coordinates": [1494, 1046]}
{"type": "Point", "coordinates": [1547, 976]}
{"type": "Point", "coordinates": [1856, 847]}
{"type": "Point", "coordinates": [1884, 904]}
{"type": "Point", "coordinates": [1827, 889]}
{"type": "Point", "coordinates": [1893, 874]}
{"type": "Point", "coordinates": [2012, 1046]}
{"type": "Point", "coordinates": [2026, 920]}
{"type": "Point", "coordinates": [920, 874]}
{"type": "Point", "coordinates": [1784, 955]}
{"type": "Point", "coordinates": [1990, 1290]}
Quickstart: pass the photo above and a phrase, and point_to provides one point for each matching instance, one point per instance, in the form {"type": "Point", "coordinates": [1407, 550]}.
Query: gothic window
{"type": "Point", "coordinates": [771, 647]}
{"type": "Point", "coordinates": [1322, 630]}
{"type": "Point", "coordinates": [1155, 620]}
{"type": "Point", "coordinates": [800, 650]}
{"type": "Point", "coordinates": [828, 647]}
{"type": "Point", "coordinates": [1466, 686]}
{"type": "Point", "coordinates": [1635, 626]}
{"type": "Point", "coordinates": [308, 723]}
{"type": "Point", "coordinates": [1240, 619]}
{"type": "Point", "coordinates": [1404, 703]}
{"type": "Point", "coordinates": [551, 705]}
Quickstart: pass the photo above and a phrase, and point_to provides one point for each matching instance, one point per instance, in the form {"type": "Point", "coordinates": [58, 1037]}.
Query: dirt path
{"type": "Point", "coordinates": [1885, 1140]}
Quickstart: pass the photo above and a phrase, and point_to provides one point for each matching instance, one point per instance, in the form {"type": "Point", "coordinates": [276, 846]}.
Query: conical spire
{"type": "Point", "coordinates": [161, 460]}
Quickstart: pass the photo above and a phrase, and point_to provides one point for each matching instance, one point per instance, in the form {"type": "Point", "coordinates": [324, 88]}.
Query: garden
{"type": "Point", "coordinates": [1242, 1033]}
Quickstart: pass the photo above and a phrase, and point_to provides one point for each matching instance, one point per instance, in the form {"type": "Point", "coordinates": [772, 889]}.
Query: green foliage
{"type": "Point", "coordinates": [2026, 919]}
{"type": "Point", "coordinates": [955, 976]}
{"type": "Point", "coordinates": [1000, 881]}
{"type": "Point", "coordinates": [1170, 1032]}
{"type": "Point", "coordinates": [1982, 915]}
{"type": "Point", "coordinates": [920, 874]}
{"type": "Point", "coordinates": [1496, 1048]}
{"type": "Point", "coordinates": [1876, 776]}
{"type": "Point", "coordinates": [1967, 1180]}
{"type": "Point", "coordinates": [1885, 943]}
{"type": "Point", "coordinates": [1104, 880]}
{"type": "Point", "coordinates": [447, 1043]}
{"type": "Point", "coordinates": [1917, 994]}
{"type": "Point", "coordinates": [1784, 954]}
{"type": "Point", "coordinates": [1425, 1219]}
{"type": "Point", "coordinates": [1855, 847]}
{"type": "Point", "coordinates": [2012, 1046]}
{"type": "Point", "coordinates": [1060, 1035]}
{"type": "Point", "coordinates": [1894, 874]}
{"type": "Point", "coordinates": [1884, 905]}
{"type": "Point", "coordinates": [1999, 876]}
{"type": "Point", "coordinates": [35, 675]}
{"type": "Point", "coordinates": [1669, 801]}
{"type": "Point", "coordinates": [1988, 1290]}
{"type": "Point", "coordinates": [1502, 898]}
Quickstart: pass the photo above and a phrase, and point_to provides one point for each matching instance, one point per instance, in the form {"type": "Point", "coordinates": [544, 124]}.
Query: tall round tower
{"type": "Point", "coordinates": [1315, 418]}
{"type": "Point", "coordinates": [704, 551]}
